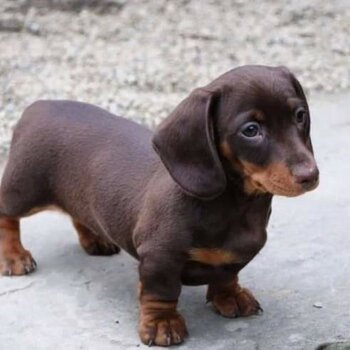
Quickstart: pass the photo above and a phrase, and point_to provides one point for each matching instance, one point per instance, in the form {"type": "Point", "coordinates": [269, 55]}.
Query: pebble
{"type": "Point", "coordinates": [235, 326]}
{"type": "Point", "coordinates": [318, 305]}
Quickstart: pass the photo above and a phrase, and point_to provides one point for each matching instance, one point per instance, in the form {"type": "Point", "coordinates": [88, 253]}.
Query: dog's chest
{"type": "Point", "coordinates": [228, 235]}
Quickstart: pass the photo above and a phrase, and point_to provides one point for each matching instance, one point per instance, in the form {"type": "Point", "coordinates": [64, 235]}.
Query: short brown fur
{"type": "Point", "coordinates": [191, 201]}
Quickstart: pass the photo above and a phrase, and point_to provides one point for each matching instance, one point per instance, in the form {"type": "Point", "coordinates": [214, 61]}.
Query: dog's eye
{"type": "Point", "coordinates": [251, 129]}
{"type": "Point", "coordinates": [300, 115]}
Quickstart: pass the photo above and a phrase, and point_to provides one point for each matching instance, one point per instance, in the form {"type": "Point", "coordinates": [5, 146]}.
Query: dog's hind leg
{"type": "Point", "coordinates": [14, 259]}
{"type": "Point", "coordinates": [92, 243]}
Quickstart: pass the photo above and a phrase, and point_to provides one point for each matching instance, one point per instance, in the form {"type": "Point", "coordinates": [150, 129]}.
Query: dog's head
{"type": "Point", "coordinates": [252, 122]}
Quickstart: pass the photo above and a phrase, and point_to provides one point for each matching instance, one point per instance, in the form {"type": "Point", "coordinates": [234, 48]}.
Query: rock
{"type": "Point", "coordinates": [235, 326]}
{"type": "Point", "coordinates": [318, 305]}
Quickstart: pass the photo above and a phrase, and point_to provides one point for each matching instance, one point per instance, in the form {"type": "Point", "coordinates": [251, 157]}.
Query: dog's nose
{"type": "Point", "coordinates": [306, 175]}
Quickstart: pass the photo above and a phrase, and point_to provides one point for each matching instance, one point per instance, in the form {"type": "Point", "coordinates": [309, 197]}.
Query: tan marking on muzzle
{"type": "Point", "coordinates": [275, 178]}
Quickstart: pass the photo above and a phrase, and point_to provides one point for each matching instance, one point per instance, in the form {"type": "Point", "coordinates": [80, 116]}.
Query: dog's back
{"type": "Point", "coordinates": [87, 153]}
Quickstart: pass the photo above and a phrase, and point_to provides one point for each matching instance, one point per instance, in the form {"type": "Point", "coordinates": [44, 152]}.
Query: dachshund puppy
{"type": "Point", "coordinates": [193, 209]}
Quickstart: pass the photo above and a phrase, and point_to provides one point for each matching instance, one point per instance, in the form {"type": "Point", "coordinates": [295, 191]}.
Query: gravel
{"type": "Point", "coordinates": [140, 58]}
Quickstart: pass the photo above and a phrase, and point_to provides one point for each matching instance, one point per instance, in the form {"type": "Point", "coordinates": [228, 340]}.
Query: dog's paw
{"type": "Point", "coordinates": [92, 243]}
{"type": "Point", "coordinates": [163, 331]}
{"type": "Point", "coordinates": [101, 247]}
{"type": "Point", "coordinates": [17, 264]}
{"type": "Point", "coordinates": [239, 303]}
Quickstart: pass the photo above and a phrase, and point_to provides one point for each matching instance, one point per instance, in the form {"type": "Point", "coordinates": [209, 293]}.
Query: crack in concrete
{"type": "Point", "coordinates": [15, 290]}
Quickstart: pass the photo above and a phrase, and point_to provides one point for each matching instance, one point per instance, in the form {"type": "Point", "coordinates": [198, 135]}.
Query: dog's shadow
{"type": "Point", "coordinates": [98, 295]}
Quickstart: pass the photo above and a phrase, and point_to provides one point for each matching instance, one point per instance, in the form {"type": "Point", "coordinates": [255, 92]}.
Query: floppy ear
{"type": "Point", "coordinates": [185, 143]}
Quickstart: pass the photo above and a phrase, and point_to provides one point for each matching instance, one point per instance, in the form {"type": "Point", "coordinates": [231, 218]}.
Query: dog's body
{"type": "Point", "coordinates": [194, 215]}
{"type": "Point", "coordinates": [104, 173]}
{"type": "Point", "coordinates": [97, 171]}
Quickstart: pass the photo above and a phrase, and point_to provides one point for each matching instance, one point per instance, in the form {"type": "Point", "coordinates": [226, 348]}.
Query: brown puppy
{"type": "Point", "coordinates": [193, 212]}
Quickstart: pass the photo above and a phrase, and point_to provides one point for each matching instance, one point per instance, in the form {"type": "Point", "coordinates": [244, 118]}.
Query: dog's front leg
{"type": "Point", "coordinates": [231, 300]}
{"type": "Point", "coordinates": [160, 287]}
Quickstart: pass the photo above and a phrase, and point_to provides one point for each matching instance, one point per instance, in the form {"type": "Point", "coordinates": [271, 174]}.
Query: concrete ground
{"type": "Point", "coordinates": [302, 276]}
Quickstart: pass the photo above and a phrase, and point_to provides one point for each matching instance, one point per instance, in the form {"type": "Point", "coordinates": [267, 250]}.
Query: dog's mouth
{"type": "Point", "coordinates": [282, 189]}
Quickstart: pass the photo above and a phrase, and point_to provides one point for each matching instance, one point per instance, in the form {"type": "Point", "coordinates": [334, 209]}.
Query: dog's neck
{"type": "Point", "coordinates": [235, 186]}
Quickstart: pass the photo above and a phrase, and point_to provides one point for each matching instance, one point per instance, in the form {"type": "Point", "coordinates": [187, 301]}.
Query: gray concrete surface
{"type": "Point", "coordinates": [301, 277]}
